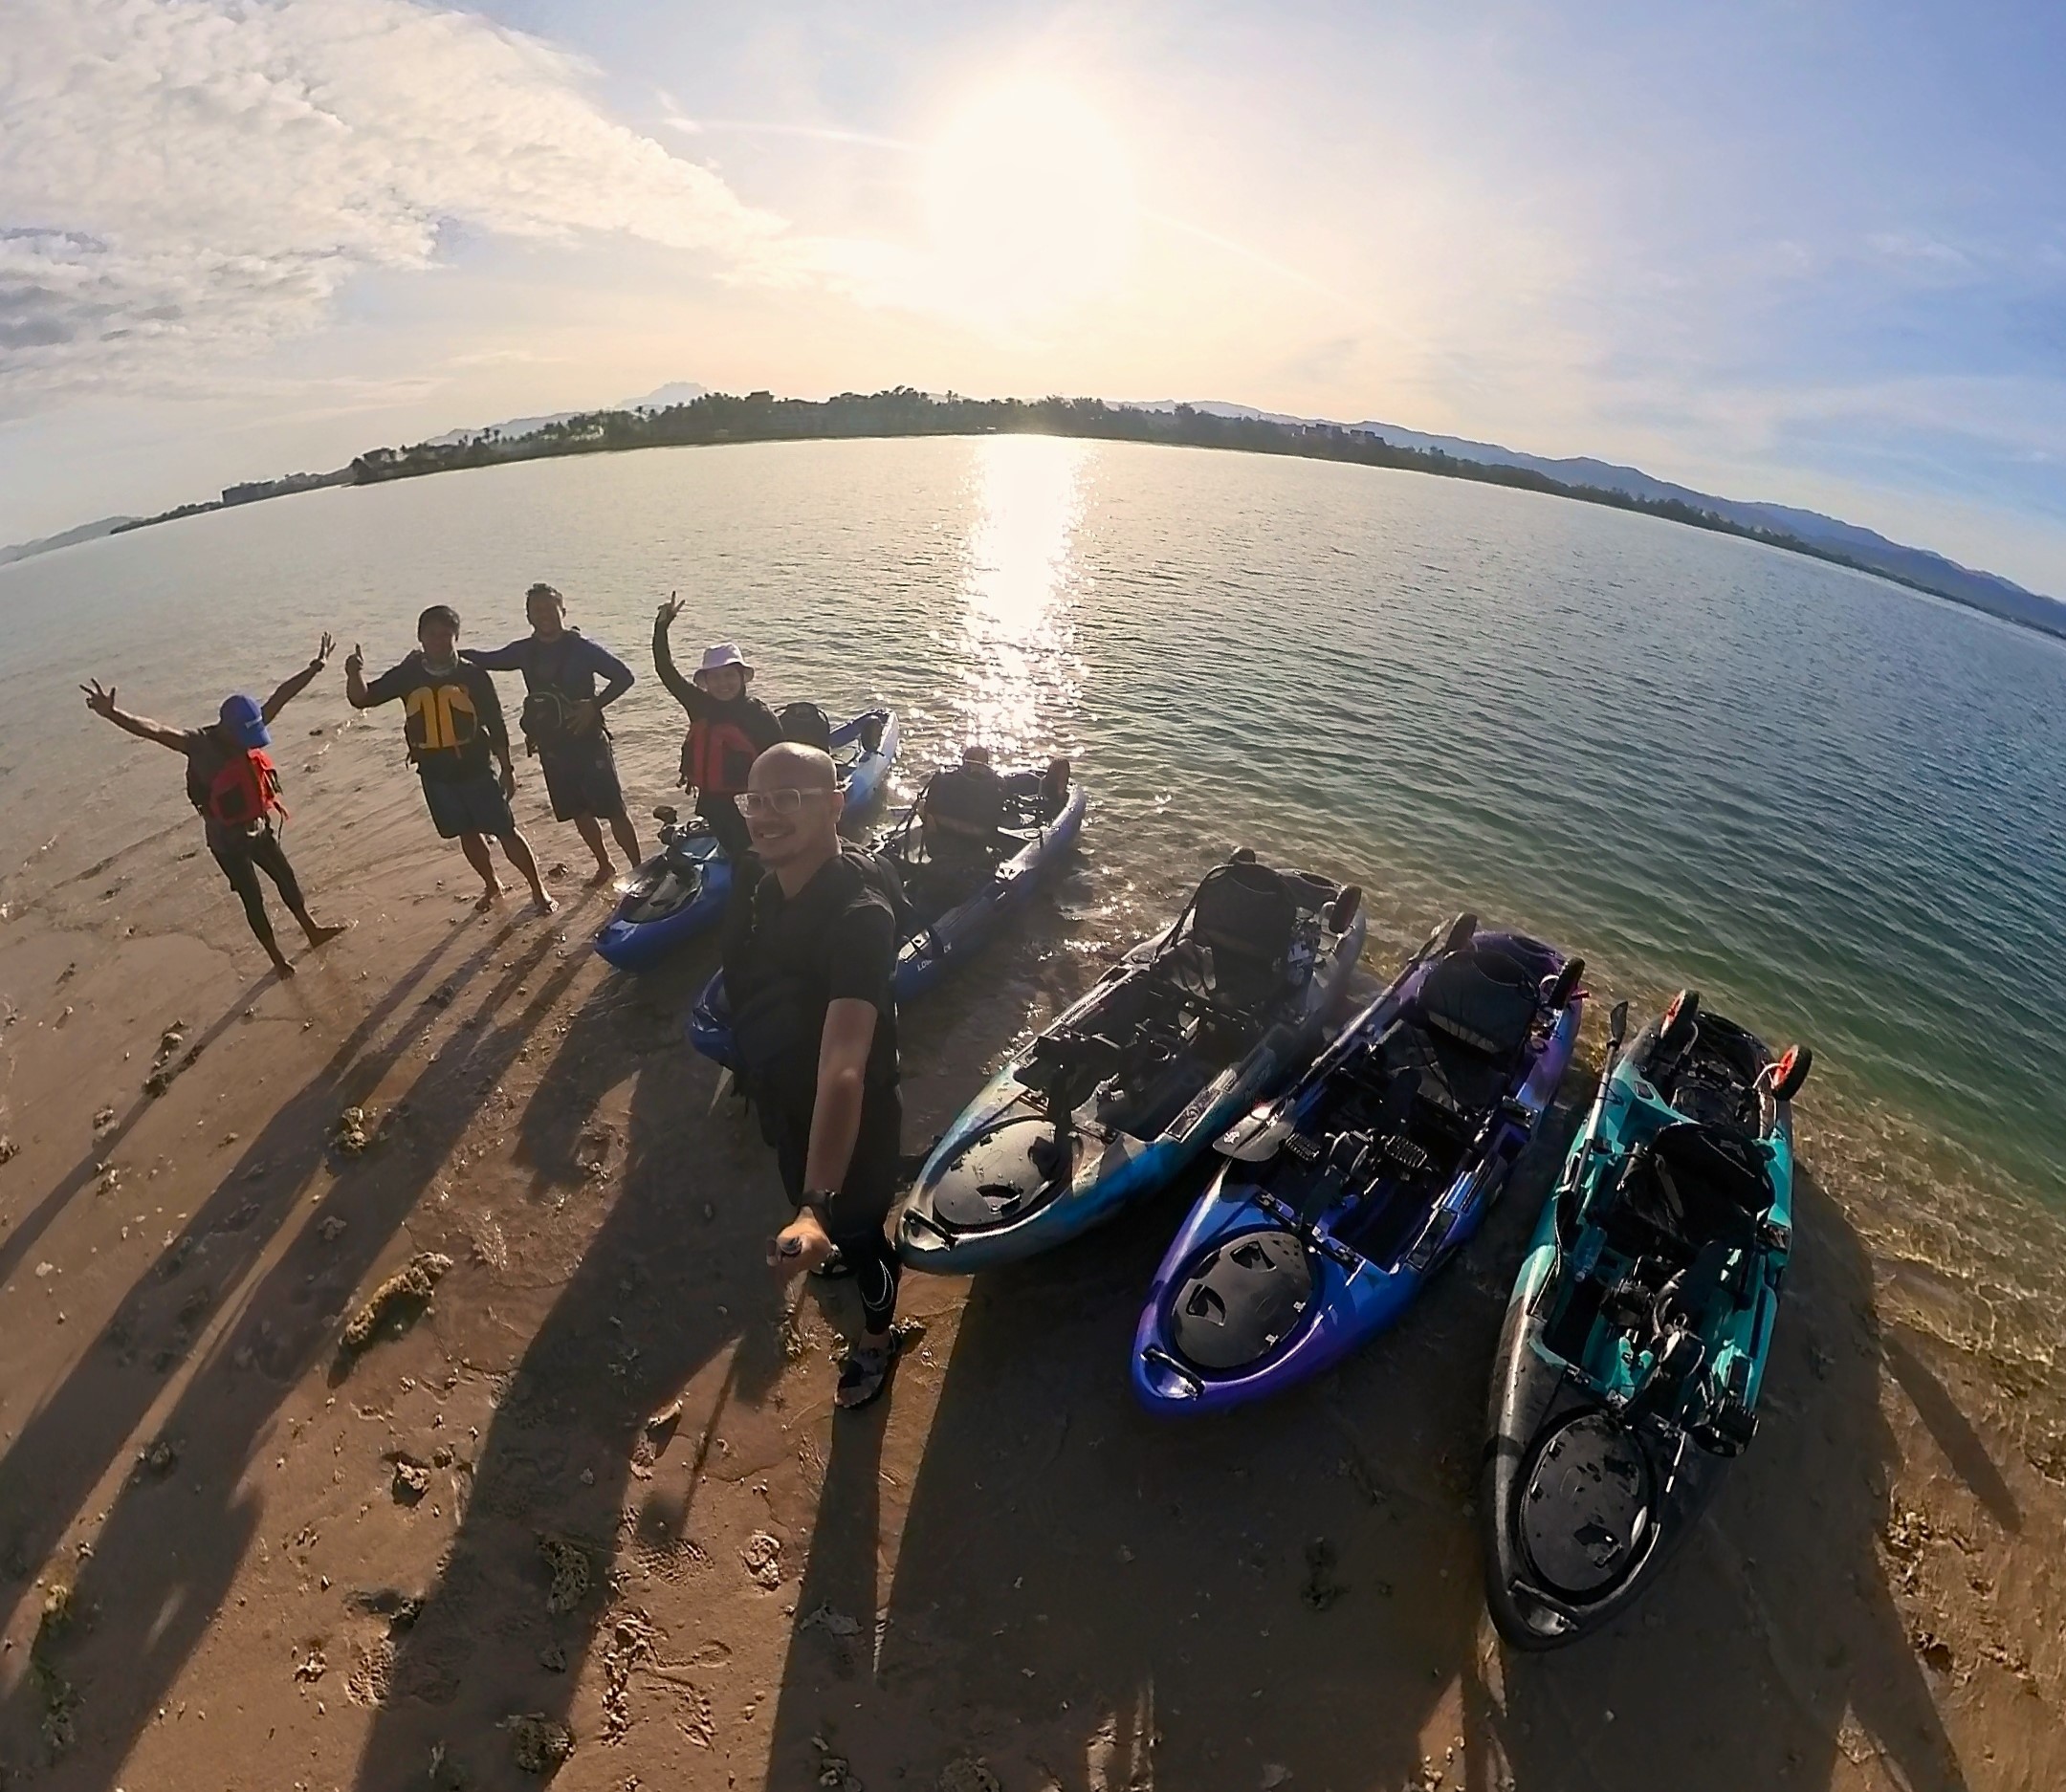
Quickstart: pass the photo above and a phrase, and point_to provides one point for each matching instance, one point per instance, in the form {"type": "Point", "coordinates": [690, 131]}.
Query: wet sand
{"type": "Point", "coordinates": [237, 1557]}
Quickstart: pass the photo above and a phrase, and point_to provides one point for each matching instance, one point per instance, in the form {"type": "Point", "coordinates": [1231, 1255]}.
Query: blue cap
{"type": "Point", "coordinates": [244, 722]}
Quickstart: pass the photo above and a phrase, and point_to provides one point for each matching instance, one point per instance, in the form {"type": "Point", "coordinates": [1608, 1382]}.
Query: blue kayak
{"type": "Point", "coordinates": [956, 907]}
{"type": "Point", "coordinates": [682, 889]}
{"type": "Point", "coordinates": [1131, 1084]}
{"type": "Point", "coordinates": [1635, 1347]}
{"type": "Point", "coordinates": [1340, 1201]}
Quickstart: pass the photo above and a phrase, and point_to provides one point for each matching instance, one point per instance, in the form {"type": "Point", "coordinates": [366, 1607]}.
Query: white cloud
{"type": "Point", "coordinates": [183, 178]}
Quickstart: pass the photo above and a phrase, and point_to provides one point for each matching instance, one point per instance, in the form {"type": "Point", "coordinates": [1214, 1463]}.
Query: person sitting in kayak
{"type": "Point", "coordinates": [967, 805]}
{"type": "Point", "coordinates": [231, 782]}
{"type": "Point", "coordinates": [728, 729]}
{"type": "Point", "coordinates": [562, 721]}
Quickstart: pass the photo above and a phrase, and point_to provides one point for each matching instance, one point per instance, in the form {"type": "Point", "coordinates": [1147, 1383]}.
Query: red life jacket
{"type": "Point", "coordinates": [718, 756]}
{"type": "Point", "coordinates": [247, 789]}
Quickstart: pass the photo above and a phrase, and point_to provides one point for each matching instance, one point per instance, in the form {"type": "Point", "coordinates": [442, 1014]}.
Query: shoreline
{"type": "Point", "coordinates": [1005, 1564]}
{"type": "Point", "coordinates": [609, 431]}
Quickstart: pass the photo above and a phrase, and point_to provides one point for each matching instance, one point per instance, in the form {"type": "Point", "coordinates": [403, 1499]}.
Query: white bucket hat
{"type": "Point", "coordinates": [716, 659]}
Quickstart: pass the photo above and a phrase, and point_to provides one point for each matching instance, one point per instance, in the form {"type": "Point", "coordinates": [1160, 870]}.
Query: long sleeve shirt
{"type": "Point", "coordinates": [567, 666]}
{"type": "Point", "coordinates": [750, 714]}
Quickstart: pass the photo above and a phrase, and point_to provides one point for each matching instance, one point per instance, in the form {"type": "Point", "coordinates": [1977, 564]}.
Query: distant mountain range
{"type": "Point", "coordinates": [674, 392]}
{"type": "Point", "coordinates": [85, 532]}
{"type": "Point", "coordinates": [1864, 546]}
{"type": "Point", "coordinates": [640, 417]}
{"type": "Point", "coordinates": [1867, 546]}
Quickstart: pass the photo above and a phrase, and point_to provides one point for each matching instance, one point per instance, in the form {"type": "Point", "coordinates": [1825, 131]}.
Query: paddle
{"type": "Point", "coordinates": [1569, 1191]}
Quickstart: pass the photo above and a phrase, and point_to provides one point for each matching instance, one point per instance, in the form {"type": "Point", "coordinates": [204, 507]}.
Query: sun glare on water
{"type": "Point", "coordinates": [1031, 203]}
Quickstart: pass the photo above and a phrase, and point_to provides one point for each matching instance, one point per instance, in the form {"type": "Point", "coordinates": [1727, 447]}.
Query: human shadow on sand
{"type": "Point", "coordinates": [1772, 1645]}
{"type": "Point", "coordinates": [659, 1295]}
{"type": "Point", "coordinates": [14, 1248]}
{"type": "Point", "coordinates": [1953, 1432]}
{"type": "Point", "coordinates": [172, 1542]}
{"type": "Point", "coordinates": [1292, 1595]}
{"type": "Point", "coordinates": [1089, 1598]}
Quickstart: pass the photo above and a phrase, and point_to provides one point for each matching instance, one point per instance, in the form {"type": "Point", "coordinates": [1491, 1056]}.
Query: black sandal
{"type": "Point", "coordinates": [865, 1375]}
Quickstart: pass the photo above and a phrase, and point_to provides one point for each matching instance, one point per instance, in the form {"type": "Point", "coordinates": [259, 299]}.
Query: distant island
{"type": "Point", "coordinates": [710, 418]}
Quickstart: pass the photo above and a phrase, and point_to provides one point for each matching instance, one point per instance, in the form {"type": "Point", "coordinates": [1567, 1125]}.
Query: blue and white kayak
{"type": "Point", "coordinates": [682, 889]}
{"type": "Point", "coordinates": [952, 917]}
{"type": "Point", "coordinates": [1131, 1084]}
{"type": "Point", "coordinates": [1340, 1201]}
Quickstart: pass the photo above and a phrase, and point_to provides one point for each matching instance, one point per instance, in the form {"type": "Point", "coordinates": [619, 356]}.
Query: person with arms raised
{"type": "Point", "coordinates": [808, 957]}
{"type": "Point", "coordinates": [562, 721]}
{"type": "Point", "coordinates": [231, 782]}
{"type": "Point", "coordinates": [726, 729]}
{"type": "Point", "coordinates": [453, 724]}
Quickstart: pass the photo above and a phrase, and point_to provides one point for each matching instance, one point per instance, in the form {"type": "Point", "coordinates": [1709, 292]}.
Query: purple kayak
{"type": "Point", "coordinates": [1340, 1200]}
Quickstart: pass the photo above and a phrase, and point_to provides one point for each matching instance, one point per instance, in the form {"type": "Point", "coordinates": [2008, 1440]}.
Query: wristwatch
{"type": "Point", "coordinates": [819, 1201]}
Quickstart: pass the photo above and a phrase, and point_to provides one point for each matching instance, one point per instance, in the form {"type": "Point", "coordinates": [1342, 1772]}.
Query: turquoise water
{"type": "Point", "coordinates": [1833, 805]}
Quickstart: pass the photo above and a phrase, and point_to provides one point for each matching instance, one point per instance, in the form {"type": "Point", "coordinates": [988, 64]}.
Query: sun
{"type": "Point", "coordinates": [1032, 205]}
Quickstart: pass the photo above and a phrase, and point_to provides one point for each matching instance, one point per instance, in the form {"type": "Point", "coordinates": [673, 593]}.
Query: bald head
{"type": "Point", "coordinates": [791, 765]}
{"type": "Point", "coordinates": [792, 806]}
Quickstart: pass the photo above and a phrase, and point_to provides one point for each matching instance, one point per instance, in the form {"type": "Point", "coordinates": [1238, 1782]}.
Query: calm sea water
{"type": "Point", "coordinates": [1837, 807]}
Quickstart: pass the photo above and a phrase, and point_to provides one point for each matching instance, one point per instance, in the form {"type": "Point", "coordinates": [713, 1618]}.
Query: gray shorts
{"type": "Point", "coordinates": [473, 805]}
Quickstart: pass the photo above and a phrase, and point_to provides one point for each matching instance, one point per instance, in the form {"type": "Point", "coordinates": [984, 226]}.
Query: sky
{"type": "Point", "coordinates": [1811, 252]}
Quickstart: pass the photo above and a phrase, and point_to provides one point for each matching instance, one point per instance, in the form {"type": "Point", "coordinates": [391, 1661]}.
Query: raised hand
{"type": "Point", "coordinates": [99, 702]}
{"type": "Point", "coordinates": [672, 608]}
{"type": "Point", "coordinates": [355, 659]}
{"type": "Point", "coordinates": [325, 648]}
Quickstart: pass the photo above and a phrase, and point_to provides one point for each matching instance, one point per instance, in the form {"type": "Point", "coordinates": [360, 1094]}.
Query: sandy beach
{"type": "Point", "coordinates": [239, 1554]}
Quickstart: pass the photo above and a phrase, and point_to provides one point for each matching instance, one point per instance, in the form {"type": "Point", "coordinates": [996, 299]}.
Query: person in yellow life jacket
{"type": "Point", "coordinates": [453, 721]}
{"type": "Point", "coordinates": [235, 786]}
{"type": "Point", "coordinates": [728, 729]}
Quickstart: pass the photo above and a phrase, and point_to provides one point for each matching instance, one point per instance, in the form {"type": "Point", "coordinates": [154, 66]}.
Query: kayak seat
{"type": "Point", "coordinates": [1687, 1190]}
{"type": "Point", "coordinates": [1483, 1000]}
{"type": "Point", "coordinates": [1245, 917]}
{"type": "Point", "coordinates": [806, 724]}
{"type": "Point", "coordinates": [1440, 1091]}
{"type": "Point", "coordinates": [1449, 1058]}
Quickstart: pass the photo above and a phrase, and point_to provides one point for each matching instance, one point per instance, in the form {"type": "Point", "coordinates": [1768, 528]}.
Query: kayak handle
{"type": "Point", "coordinates": [915, 1216]}
{"type": "Point", "coordinates": [1162, 1360]}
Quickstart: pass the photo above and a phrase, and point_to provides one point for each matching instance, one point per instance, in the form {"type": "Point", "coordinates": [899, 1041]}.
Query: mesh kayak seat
{"type": "Point", "coordinates": [1459, 1038]}
{"type": "Point", "coordinates": [1481, 1000]}
{"type": "Point", "coordinates": [806, 724]}
{"type": "Point", "coordinates": [1245, 916]}
{"type": "Point", "coordinates": [1690, 1188]}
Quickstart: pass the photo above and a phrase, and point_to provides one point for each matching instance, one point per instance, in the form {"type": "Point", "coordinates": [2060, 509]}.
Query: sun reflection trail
{"type": "Point", "coordinates": [1022, 678]}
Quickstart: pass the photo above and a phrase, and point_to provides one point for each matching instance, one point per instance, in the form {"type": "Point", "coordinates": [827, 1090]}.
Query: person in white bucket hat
{"type": "Point", "coordinates": [728, 729]}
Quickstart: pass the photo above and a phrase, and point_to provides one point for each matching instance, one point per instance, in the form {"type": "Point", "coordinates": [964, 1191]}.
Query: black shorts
{"type": "Point", "coordinates": [469, 804]}
{"type": "Point", "coordinates": [580, 777]}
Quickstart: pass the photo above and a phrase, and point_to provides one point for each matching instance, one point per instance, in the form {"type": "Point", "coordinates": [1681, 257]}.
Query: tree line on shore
{"type": "Point", "coordinates": [720, 417]}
